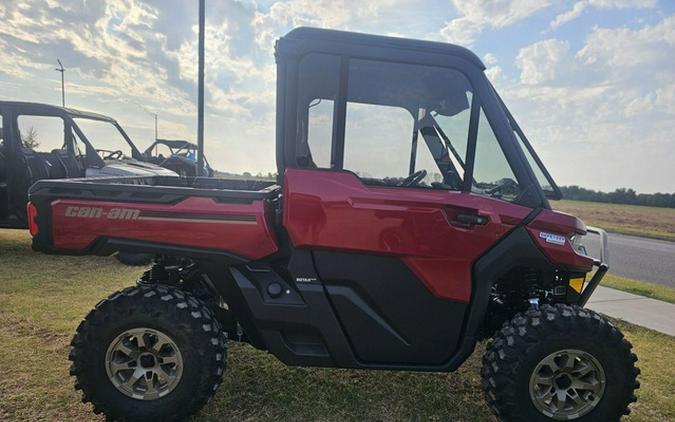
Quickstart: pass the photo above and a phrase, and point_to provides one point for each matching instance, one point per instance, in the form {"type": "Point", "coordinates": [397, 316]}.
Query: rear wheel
{"type": "Point", "coordinates": [150, 352]}
{"type": "Point", "coordinates": [559, 363]}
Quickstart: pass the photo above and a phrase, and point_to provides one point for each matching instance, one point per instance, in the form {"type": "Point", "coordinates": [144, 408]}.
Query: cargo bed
{"type": "Point", "coordinates": [161, 214]}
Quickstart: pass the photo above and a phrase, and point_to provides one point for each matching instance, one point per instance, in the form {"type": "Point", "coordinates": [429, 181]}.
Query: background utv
{"type": "Point", "coordinates": [41, 141]}
{"type": "Point", "coordinates": [410, 220]}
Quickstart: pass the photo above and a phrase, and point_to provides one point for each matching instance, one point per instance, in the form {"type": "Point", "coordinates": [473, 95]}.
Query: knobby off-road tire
{"type": "Point", "coordinates": [134, 259]}
{"type": "Point", "coordinates": [537, 336]}
{"type": "Point", "coordinates": [180, 320]}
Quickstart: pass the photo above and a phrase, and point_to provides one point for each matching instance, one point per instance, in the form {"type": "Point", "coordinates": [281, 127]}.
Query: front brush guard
{"type": "Point", "coordinates": [602, 264]}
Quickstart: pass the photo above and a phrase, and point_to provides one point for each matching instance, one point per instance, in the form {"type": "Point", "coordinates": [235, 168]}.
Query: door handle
{"type": "Point", "coordinates": [471, 219]}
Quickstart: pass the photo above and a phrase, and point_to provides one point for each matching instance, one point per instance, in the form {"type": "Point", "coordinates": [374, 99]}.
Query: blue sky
{"type": "Point", "coordinates": [592, 82]}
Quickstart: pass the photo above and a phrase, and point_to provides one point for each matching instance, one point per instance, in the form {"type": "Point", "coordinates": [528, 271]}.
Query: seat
{"type": "Point", "coordinates": [37, 166]}
{"type": "Point", "coordinates": [73, 165]}
{"type": "Point", "coordinates": [57, 170]}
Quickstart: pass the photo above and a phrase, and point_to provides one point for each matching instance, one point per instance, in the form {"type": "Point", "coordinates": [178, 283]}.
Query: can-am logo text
{"type": "Point", "coordinates": [95, 212]}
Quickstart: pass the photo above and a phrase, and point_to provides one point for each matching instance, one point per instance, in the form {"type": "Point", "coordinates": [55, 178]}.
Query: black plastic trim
{"type": "Point", "coordinates": [153, 189]}
{"type": "Point", "coordinates": [104, 246]}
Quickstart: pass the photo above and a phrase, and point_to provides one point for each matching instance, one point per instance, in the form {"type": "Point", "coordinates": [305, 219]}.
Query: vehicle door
{"type": "Point", "coordinates": [397, 185]}
{"type": "Point", "coordinates": [43, 142]}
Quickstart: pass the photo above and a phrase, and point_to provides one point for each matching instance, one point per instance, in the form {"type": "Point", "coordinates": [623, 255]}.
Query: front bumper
{"type": "Point", "coordinates": [602, 264]}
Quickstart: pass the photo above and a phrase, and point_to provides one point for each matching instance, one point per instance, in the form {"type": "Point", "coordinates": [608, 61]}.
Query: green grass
{"type": "Point", "coordinates": [642, 288]}
{"type": "Point", "coordinates": [44, 297]}
{"type": "Point", "coordinates": [637, 220]}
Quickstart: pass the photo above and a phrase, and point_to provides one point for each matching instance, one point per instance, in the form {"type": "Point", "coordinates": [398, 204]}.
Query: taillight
{"type": "Point", "coordinates": [31, 212]}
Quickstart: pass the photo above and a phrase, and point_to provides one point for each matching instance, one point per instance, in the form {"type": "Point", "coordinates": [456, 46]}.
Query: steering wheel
{"type": "Point", "coordinates": [414, 178]}
{"type": "Point", "coordinates": [503, 184]}
{"type": "Point", "coordinates": [114, 155]}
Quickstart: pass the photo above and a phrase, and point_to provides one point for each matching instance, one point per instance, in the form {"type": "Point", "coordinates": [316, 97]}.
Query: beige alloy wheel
{"type": "Point", "coordinates": [144, 363]}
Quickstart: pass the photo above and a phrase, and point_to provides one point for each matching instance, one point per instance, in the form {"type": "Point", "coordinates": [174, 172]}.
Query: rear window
{"type": "Point", "coordinates": [42, 133]}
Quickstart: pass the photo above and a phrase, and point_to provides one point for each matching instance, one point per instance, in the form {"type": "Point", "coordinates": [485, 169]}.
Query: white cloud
{"type": "Point", "coordinates": [580, 6]}
{"type": "Point", "coordinates": [623, 3]}
{"type": "Point", "coordinates": [603, 106]}
{"type": "Point", "coordinates": [494, 73]}
{"type": "Point", "coordinates": [615, 49]}
{"type": "Point", "coordinates": [343, 14]}
{"type": "Point", "coordinates": [665, 96]}
{"type": "Point", "coordinates": [476, 15]}
{"type": "Point", "coordinates": [571, 14]}
{"type": "Point", "coordinates": [103, 42]}
{"type": "Point", "coordinates": [543, 61]}
{"type": "Point", "coordinates": [490, 59]}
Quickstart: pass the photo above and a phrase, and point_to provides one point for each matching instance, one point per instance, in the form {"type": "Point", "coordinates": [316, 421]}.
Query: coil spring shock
{"type": "Point", "coordinates": [156, 274]}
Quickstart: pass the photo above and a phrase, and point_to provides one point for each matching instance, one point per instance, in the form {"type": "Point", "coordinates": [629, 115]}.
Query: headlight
{"type": "Point", "coordinates": [575, 240]}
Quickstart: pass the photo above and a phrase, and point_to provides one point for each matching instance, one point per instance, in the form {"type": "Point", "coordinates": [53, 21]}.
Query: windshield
{"type": "Point", "coordinates": [105, 137]}
{"type": "Point", "coordinates": [538, 172]}
{"type": "Point", "coordinates": [544, 179]}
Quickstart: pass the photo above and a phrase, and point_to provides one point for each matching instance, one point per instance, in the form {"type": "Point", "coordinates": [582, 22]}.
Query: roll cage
{"type": "Point", "coordinates": [349, 47]}
{"type": "Point", "coordinates": [11, 110]}
{"type": "Point", "coordinates": [176, 146]}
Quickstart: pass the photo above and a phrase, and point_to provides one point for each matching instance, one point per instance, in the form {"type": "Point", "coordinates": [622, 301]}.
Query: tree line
{"type": "Point", "coordinates": [619, 196]}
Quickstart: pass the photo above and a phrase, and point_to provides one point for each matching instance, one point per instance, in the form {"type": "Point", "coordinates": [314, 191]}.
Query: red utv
{"type": "Point", "coordinates": [410, 220]}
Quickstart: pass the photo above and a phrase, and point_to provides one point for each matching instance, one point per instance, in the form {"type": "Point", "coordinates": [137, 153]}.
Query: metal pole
{"type": "Point", "coordinates": [200, 93]}
{"type": "Point", "coordinates": [156, 133]}
{"type": "Point", "coordinates": [63, 89]}
{"type": "Point", "coordinates": [63, 85]}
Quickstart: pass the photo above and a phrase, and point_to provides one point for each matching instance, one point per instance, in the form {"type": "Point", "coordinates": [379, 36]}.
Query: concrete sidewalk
{"type": "Point", "coordinates": [639, 310]}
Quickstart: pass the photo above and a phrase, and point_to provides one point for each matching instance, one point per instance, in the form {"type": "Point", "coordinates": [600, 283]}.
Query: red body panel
{"type": "Point", "coordinates": [333, 209]}
{"type": "Point", "coordinates": [564, 225]}
{"type": "Point", "coordinates": [240, 229]}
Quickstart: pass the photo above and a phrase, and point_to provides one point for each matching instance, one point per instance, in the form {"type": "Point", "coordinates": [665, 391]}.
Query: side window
{"type": "Point", "coordinates": [378, 140]}
{"type": "Point", "coordinates": [42, 133]}
{"type": "Point", "coordinates": [425, 160]}
{"type": "Point", "coordinates": [455, 130]}
{"type": "Point", "coordinates": [491, 173]}
{"type": "Point", "coordinates": [393, 130]}
{"type": "Point", "coordinates": [317, 95]}
{"type": "Point", "coordinates": [320, 131]}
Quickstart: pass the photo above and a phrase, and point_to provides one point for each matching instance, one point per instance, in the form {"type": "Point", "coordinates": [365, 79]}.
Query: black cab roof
{"type": "Point", "coordinates": [39, 108]}
{"type": "Point", "coordinates": [305, 39]}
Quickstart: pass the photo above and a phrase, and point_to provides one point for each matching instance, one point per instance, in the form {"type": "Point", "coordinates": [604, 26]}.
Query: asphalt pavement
{"type": "Point", "coordinates": [640, 258]}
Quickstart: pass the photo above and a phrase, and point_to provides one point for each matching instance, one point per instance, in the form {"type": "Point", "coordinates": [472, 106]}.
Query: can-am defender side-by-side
{"type": "Point", "coordinates": [409, 221]}
{"type": "Point", "coordinates": [42, 141]}
{"type": "Point", "coordinates": [177, 155]}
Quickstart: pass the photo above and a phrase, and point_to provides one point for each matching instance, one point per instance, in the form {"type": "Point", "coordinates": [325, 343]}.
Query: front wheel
{"type": "Point", "coordinates": [559, 363]}
{"type": "Point", "coordinates": [150, 352]}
